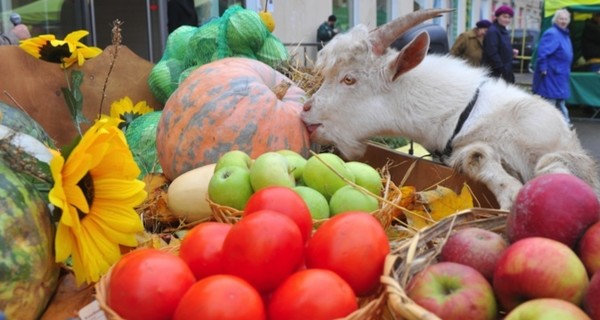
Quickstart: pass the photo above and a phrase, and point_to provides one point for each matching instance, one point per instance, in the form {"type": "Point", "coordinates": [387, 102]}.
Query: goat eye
{"type": "Point", "coordinates": [349, 80]}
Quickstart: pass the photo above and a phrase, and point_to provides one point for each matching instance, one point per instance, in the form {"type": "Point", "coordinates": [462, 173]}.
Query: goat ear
{"type": "Point", "coordinates": [411, 55]}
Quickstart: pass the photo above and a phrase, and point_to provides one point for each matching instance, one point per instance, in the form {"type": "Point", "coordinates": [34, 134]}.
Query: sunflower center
{"type": "Point", "coordinates": [54, 54]}
{"type": "Point", "coordinates": [127, 118]}
{"type": "Point", "coordinates": [87, 187]}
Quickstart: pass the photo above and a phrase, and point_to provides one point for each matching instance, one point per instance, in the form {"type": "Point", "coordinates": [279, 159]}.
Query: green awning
{"type": "Point", "coordinates": [550, 6]}
{"type": "Point", "coordinates": [39, 12]}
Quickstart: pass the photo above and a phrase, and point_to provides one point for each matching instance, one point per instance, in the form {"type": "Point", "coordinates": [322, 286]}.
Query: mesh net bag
{"type": "Point", "coordinates": [177, 42]}
{"type": "Point", "coordinates": [202, 46]}
{"type": "Point", "coordinates": [241, 32]}
{"type": "Point", "coordinates": [164, 78]}
{"type": "Point", "coordinates": [141, 137]}
{"type": "Point", "coordinates": [238, 33]}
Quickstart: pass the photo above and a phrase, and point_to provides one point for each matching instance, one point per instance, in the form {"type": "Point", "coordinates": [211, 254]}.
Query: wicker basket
{"type": "Point", "coordinates": [418, 252]}
{"type": "Point", "coordinates": [370, 308]}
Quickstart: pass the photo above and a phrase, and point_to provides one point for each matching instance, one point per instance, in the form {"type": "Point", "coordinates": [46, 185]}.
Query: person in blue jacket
{"type": "Point", "coordinates": [497, 48]}
{"type": "Point", "coordinates": [554, 59]}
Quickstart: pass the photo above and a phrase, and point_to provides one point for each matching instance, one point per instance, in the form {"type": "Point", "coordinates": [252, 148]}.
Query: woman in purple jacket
{"type": "Point", "coordinates": [553, 66]}
{"type": "Point", "coordinates": [497, 49]}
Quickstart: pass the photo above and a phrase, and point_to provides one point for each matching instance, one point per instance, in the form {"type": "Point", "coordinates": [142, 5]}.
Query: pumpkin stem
{"type": "Point", "coordinates": [265, 8]}
{"type": "Point", "coordinates": [281, 89]}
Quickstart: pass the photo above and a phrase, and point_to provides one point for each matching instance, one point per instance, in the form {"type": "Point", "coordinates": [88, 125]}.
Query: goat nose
{"type": "Point", "coordinates": [307, 106]}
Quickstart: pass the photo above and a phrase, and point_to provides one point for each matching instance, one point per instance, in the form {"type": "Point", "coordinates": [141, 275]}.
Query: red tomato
{"type": "Point", "coordinates": [263, 248]}
{"type": "Point", "coordinates": [286, 201]}
{"type": "Point", "coordinates": [312, 294]}
{"type": "Point", "coordinates": [201, 248]}
{"type": "Point", "coordinates": [148, 284]}
{"type": "Point", "coordinates": [221, 297]}
{"type": "Point", "coordinates": [353, 245]}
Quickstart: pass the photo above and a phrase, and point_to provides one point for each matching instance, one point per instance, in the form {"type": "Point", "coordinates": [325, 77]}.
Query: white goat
{"type": "Point", "coordinates": [494, 132]}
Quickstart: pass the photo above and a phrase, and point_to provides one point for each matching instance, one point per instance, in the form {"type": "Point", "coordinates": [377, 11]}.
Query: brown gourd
{"type": "Point", "coordinates": [229, 104]}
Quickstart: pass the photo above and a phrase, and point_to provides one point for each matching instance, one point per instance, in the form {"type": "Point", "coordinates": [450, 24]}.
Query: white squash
{"type": "Point", "coordinates": [27, 143]}
{"type": "Point", "coordinates": [186, 196]}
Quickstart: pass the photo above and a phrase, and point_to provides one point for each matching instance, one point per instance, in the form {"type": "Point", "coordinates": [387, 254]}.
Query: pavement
{"type": "Point", "coordinates": [587, 128]}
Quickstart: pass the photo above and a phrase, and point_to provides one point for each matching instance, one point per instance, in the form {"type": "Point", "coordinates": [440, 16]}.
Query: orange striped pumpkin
{"type": "Point", "coordinates": [227, 105]}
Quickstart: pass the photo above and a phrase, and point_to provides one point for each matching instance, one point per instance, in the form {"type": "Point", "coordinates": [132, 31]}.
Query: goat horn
{"type": "Point", "coordinates": [382, 37]}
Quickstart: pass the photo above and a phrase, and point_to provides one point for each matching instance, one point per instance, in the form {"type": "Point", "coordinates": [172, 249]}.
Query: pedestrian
{"type": "Point", "coordinates": [18, 32]}
{"type": "Point", "coordinates": [180, 13]}
{"type": "Point", "coordinates": [497, 48]}
{"type": "Point", "coordinates": [590, 44]}
{"type": "Point", "coordinates": [469, 44]}
{"type": "Point", "coordinates": [554, 59]}
{"type": "Point", "coordinates": [326, 31]}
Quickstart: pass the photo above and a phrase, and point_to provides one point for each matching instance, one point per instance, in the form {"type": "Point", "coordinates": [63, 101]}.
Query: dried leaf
{"type": "Point", "coordinates": [434, 205]}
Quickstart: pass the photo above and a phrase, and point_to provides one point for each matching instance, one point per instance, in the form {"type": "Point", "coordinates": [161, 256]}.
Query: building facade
{"type": "Point", "coordinates": [145, 21]}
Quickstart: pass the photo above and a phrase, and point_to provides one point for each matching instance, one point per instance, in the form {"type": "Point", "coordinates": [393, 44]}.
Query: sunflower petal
{"type": "Point", "coordinates": [123, 238]}
{"type": "Point", "coordinates": [75, 36]}
{"type": "Point", "coordinates": [63, 243]}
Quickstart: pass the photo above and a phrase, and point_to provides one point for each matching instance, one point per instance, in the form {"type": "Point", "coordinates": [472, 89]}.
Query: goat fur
{"type": "Point", "coordinates": [510, 136]}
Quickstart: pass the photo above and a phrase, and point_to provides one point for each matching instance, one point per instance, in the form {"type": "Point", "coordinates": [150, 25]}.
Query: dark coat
{"type": "Point", "coordinates": [590, 43]}
{"type": "Point", "coordinates": [325, 33]}
{"type": "Point", "coordinates": [498, 52]}
{"type": "Point", "coordinates": [554, 58]}
{"type": "Point", "coordinates": [181, 12]}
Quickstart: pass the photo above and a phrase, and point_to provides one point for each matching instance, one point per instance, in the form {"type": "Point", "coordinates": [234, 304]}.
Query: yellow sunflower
{"type": "Point", "coordinates": [66, 52]}
{"type": "Point", "coordinates": [125, 111]}
{"type": "Point", "coordinates": [97, 191]}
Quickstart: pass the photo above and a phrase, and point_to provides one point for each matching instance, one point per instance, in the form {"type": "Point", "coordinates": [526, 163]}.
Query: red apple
{"type": "Point", "coordinates": [591, 300]}
{"type": "Point", "coordinates": [547, 309]}
{"type": "Point", "coordinates": [588, 249]}
{"type": "Point", "coordinates": [558, 206]}
{"type": "Point", "coordinates": [539, 268]}
{"type": "Point", "coordinates": [453, 291]}
{"type": "Point", "coordinates": [475, 247]}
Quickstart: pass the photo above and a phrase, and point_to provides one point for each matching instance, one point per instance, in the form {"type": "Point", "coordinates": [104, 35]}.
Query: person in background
{"type": "Point", "coordinates": [326, 31]}
{"type": "Point", "coordinates": [553, 66]}
{"type": "Point", "coordinates": [17, 33]}
{"type": "Point", "coordinates": [469, 44]}
{"type": "Point", "coordinates": [497, 48]}
{"type": "Point", "coordinates": [590, 44]}
{"type": "Point", "coordinates": [181, 12]}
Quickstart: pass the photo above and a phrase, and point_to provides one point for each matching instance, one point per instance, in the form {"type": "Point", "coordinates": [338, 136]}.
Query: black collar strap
{"type": "Point", "coordinates": [461, 121]}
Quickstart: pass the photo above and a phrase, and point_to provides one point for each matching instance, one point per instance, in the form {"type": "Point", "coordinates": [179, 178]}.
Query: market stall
{"type": "Point", "coordinates": [584, 85]}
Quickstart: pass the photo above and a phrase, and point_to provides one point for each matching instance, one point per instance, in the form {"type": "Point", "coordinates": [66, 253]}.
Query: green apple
{"type": "Point", "coordinates": [320, 177]}
{"type": "Point", "coordinates": [230, 186]}
{"type": "Point", "coordinates": [547, 309]}
{"type": "Point", "coordinates": [271, 169]}
{"type": "Point", "coordinates": [348, 198]}
{"type": "Point", "coordinates": [316, 202]}
{"type": "Point", "coordinates": [236, 158]}
{"type": "Point", "coordinates": [366, 176]}
{"type": "Point", "coordinates": [296, 162]}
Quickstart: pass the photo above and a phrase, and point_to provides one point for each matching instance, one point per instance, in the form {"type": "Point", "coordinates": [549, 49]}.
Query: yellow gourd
{"type": "Point", "coordinates": [186, 196]}
{"type": "Point", "coordinates": [267, 20]}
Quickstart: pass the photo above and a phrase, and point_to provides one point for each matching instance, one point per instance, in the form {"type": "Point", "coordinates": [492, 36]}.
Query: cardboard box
{"type": "Point", "coordinates": [424, 174]}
